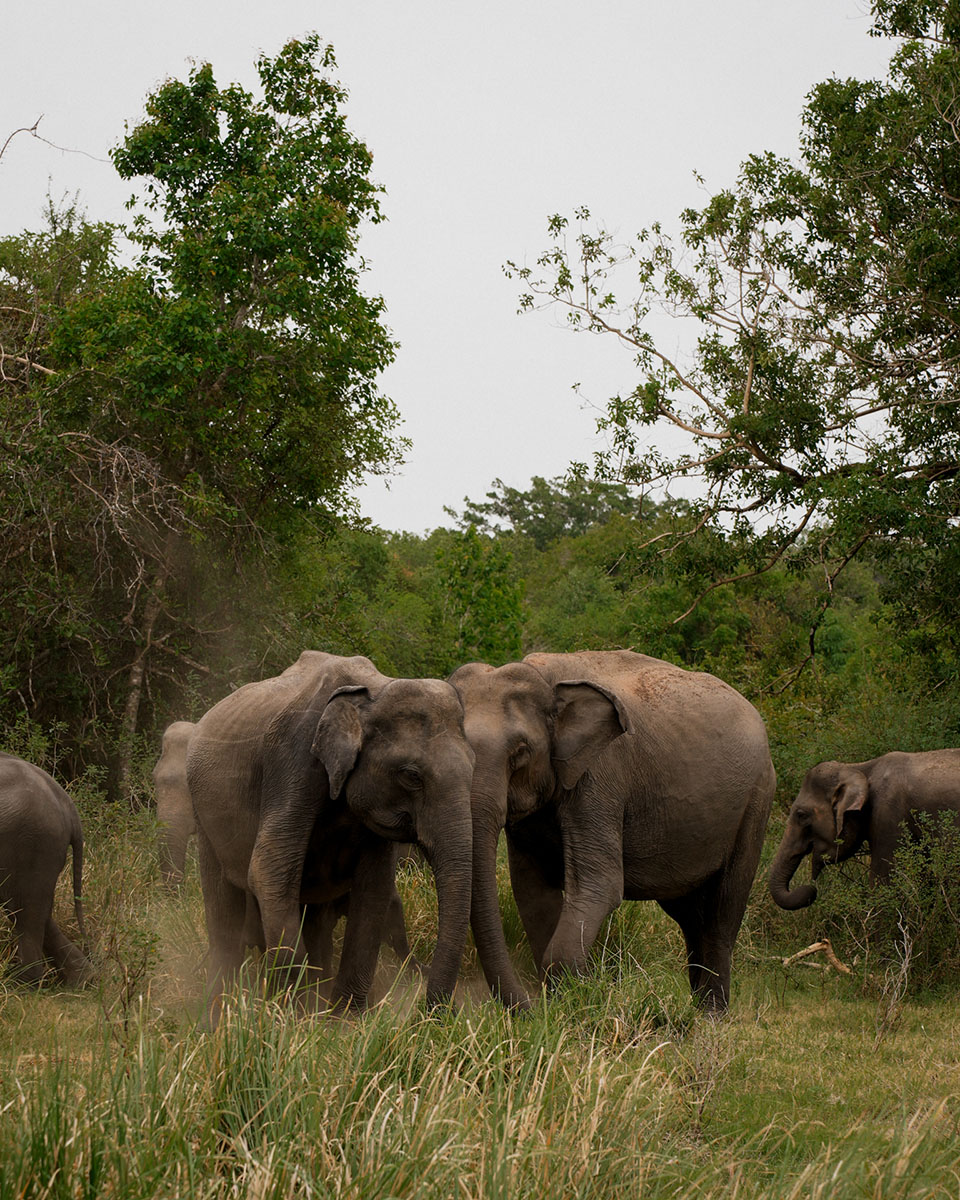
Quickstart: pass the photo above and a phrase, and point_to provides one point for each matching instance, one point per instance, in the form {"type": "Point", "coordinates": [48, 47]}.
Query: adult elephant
{"type": "Point", "coordinates": [174, 805]}
{"type": "Point", "coordinates": [616, 776]}
{"type": "Point", "coordinates": [38, 822]}
{"type": "Point", "coordinates": [842, 807]}
{"type": "Point", "coordinates": [303, 785]}
{"type": "Point", "coordinates": [178, 826]}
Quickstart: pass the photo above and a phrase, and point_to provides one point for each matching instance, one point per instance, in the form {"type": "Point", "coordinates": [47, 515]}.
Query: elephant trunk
{"type": "Point", "coordinates": [485, 907]}
{"type": "Point", "coordinates": [782, 871]}
{"type": "Point", "coordinates": [450, 858]}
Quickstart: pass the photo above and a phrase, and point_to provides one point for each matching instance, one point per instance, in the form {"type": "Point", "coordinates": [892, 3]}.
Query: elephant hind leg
{"type": "Point", "coordinates": [69, 960]}
{"type": "Point", "coordinates": [225, 908]}
{"type": "Point", "coordinates": [30, 913]}
{"type": "Point", "coordinates": [708, 957]}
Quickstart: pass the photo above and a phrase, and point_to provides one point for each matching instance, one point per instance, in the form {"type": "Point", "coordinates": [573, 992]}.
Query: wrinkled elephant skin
{"type": "Point", "coordinates": [38, 822]}
{"type": "Point", "coordinates": [303, 786]}
{"type": "Point", "coordinates": [616, 776]}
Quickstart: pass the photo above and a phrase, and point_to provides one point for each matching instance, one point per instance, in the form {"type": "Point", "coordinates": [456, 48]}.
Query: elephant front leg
{"type": "Point", "coordinates": [274, 877]}
{"type": "Point", "coordinates": [371, 890]}
{"type": "Point", "coordinates": [538, 893]}
{"type": "Point", "coordinates": [593, 888]}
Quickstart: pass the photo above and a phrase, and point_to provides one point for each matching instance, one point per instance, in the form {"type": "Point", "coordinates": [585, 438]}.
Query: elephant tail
{"type": "Point", "coordinates": [76, 842]}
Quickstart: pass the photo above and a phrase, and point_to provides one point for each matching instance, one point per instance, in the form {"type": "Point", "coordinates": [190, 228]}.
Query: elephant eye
{"type": "Point", "coordinates": [801, 814]}
{"type": "Point", "coordinates": [520, 757]}
{"type": "Point", "coordinates": [410, 778]}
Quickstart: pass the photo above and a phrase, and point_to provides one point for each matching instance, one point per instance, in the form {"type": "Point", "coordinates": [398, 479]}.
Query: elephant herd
{"type": "Point", "coordinates": [614, 776]}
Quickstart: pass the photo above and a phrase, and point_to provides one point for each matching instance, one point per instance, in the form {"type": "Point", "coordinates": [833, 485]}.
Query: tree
{"type": "Point", "coordinates": [548, 509]}
{"type": "Point", "coordinates": [818, 406]}
{"type": "Point", "coordinates": [484, 601]}
{"type": "Point", "coordinates": [228, 378]}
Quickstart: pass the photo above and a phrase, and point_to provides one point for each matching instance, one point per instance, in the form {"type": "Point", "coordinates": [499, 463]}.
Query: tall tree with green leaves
{"type": "Point", "coordinates": [817, 405]}
{"type": "Point", "coordinates": [228, 379]}
{"type": "Point", "coordinates": [483, 599]}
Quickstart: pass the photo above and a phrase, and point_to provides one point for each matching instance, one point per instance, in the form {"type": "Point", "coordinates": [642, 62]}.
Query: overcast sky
{"type": "Point", "coordinates": [483, 119]}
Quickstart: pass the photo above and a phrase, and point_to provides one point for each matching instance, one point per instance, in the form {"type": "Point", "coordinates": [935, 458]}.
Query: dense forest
{"type": "Point", "coordinates": [188, 401]}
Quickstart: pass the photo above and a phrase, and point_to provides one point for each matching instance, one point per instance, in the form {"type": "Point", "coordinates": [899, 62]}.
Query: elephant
{"type": "Point", "coordinates": [303, 785]}
{"type": "Point", "coordinates": [843, 806]}
{"type": "Point", "coordinates": [616, 776]}
{"type": "Point", "coordinates": [175, 812]}
{"type": "Point", "coordinates": [38, 821]}
{"type": "Point", "coordinates": [174, 806]}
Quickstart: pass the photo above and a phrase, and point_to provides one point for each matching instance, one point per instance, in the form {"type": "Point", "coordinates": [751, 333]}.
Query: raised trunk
{"type": "Point", "coordinates": [781, 872]}
{"type": "Point", "coordinates": [485, 907]}
{"type": "Point", "coordinates": [450, 859]}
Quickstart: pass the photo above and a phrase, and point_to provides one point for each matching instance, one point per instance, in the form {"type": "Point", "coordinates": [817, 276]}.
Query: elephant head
{"type": "Point", "coordinates": [532, 739]}
{"type": "Point", "coordinates": [827, 821]}
{"type": "Point", "coordinates": [399, 758]}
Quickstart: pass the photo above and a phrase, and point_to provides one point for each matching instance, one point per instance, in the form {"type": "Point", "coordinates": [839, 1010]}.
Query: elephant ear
{"type": "Point", "coordinates": [339, 735]}
{"type": "Point", "coordinates": [587, 718]}
{"type": "Point", "coordinates": [850, 796]}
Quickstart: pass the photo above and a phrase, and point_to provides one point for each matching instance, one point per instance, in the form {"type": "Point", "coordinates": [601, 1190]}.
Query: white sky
{"type": "Point", "coordinates": [483, 119]}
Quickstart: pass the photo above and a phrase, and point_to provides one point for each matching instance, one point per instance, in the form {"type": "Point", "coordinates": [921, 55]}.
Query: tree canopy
{"type": "Point", "coordinates": [818, 403]}
{"type": "Point", "coordinates": [173, 427]}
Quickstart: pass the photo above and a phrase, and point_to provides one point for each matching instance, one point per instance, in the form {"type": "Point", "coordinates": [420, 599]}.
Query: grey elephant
{"type": "Point", "coordinates": [616, 776]}
{"type": "Point", "coordinates": [174, 806]}
{"type": "Point", "coordinates": [38, 822]}
{"type": "Point", "coordinates": [842, 807]}
{"type": "Point", "coordinates": [303, 786]}
{"type": "Point", "coordinates": [178, 824]}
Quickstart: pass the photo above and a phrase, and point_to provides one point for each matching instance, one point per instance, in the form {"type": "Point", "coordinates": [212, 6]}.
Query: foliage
{"type": "Point", "coordinates": [548, 509]}
{"type": "Point", "coordinates": [175, 431]}
{"type": "Point", "coordinates": [484, 602]}
{"type": "Point", "coordinates": [820, 298]}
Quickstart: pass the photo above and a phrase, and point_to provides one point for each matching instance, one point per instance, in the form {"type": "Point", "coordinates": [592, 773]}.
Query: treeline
{"type": "Point", "coordinates": [187, 404]}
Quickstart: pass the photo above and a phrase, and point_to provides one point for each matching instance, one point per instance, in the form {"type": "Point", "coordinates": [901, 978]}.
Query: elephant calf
{"type": "Point", "coordinates": [38, 821]}
{"type": "Point", "coordinates": [843, 806]}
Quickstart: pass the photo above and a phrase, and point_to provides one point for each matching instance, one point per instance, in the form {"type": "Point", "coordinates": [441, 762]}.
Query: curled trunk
{"type": "Point", "coordinates": [782, 870]}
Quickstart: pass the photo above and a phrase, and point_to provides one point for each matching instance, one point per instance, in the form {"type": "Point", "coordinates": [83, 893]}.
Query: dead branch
{"type": "Point", "coordinates": [828, 952]}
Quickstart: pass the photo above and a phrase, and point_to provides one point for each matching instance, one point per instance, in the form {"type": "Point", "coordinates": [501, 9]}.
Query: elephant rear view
{"type": "Point", "coordinates": [38, 822]}
{"type": "Point", "coordinates": [174, 806]}
{"type": "Point", "coordinates": [303, 786]}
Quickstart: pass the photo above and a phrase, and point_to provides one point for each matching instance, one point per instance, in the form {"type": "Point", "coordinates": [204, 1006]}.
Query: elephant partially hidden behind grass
{"type": "Point", "coordinates": [38, 822]}
{"type": "Point", "coordinates": [842, 807]}
{"type": "Point", "coordinates": [178, 825]}
{"type": "Point", "coordinates": [174, 806]}
{"type": "Point", "coordinates": [303, 786]}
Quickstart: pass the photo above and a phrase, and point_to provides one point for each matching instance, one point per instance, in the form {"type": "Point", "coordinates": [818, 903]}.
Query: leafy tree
{"type": "Point", "coordinates": [215, 402]}
{"type": "Point", "coordinates": [483, 600]}
{"type": "Point", "coordinates": [820, 393]}
{"type": "Point", "coordinates": [549, 509]}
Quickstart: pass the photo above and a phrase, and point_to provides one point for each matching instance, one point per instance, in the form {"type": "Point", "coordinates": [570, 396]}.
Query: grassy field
{"type": "Point", "coordinates": [816, 1084]}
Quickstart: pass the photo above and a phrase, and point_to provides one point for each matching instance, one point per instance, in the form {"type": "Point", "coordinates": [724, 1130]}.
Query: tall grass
{"type": "Point", "coordinates": [814, 1085]}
